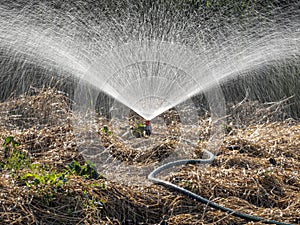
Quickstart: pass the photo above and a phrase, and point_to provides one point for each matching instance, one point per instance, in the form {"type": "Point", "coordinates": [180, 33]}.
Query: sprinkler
{"type": "Point", "coordinates": [148, 128]}
{"type": "Point", "coordinates": [142, 129]}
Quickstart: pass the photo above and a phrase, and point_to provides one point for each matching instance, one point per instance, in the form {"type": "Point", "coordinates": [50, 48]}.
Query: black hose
{"type": "Point", "coordinates": [153, 174]}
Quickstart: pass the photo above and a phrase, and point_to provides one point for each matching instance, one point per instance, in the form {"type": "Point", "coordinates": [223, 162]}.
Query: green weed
{"type": "Point", "coordinates": [87, 170]}
{"type": "Point", "coordinates": [14, 159]}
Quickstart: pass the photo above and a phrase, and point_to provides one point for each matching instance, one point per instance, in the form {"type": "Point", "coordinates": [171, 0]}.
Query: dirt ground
{"type": "Point", "coordinates": [255, 171]}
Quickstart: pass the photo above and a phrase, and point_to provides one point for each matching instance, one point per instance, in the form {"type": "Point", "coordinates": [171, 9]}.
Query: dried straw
{"type": "Point", "coordinates": [256, 171]}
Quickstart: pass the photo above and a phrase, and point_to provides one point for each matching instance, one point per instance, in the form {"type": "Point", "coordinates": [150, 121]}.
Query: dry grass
{"type": "Point", "coordinates": [256, 171]}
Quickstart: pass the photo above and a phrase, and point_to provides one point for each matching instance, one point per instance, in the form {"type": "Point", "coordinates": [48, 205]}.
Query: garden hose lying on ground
{"type": "Point", "coordinates": [153, 174]}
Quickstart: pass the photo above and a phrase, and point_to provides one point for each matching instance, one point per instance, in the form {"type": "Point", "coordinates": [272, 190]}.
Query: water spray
{"type": "Point", "coordinates": [149, 60]}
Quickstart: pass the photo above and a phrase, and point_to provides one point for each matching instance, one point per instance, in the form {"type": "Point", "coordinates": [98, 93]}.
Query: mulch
{"type": "Point", "coordinates": [256, 170]}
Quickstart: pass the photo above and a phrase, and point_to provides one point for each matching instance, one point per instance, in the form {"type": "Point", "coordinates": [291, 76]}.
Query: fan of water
{"type": "Point", "coordinates": [148, 56]}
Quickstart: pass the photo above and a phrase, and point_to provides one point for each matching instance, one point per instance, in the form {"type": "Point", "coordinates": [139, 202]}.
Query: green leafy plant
{"type": "Point", "coordinates": [106, 130]}
{"type": "Point", "coordinates": [9, 145]}
{"type": "Point", "coordinates": [138, 130]}
{"type": "Point", "coordinates": [43, 178]}
{"type": "Point", "coordinates": [14, 159]}
{"type": "Point", "coordinates": [87, 170]}
{"type": "Point", "coordinates": [45, 182]}
{"type": "Point", "coordinates": [10, 140]}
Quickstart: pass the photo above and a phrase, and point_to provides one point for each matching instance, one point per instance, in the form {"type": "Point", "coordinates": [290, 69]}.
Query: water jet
{"type": "Point", "coordinates": [148, 57]}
